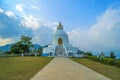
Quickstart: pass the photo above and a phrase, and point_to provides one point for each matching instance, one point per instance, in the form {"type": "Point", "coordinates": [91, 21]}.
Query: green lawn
{"type": "Point", "coordinates": [21, 68]}
{"type": "Point", "coordinates": [107, 70]}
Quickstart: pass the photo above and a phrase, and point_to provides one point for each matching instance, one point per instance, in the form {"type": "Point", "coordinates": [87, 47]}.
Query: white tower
{"type": "Point", "coordinates": [60, 44]}
{"type": "Point", "coordinates": [60, 37]}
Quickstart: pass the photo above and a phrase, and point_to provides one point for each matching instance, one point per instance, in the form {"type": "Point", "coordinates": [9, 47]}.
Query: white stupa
{"type": "Point", "coordinates": [60, 44]}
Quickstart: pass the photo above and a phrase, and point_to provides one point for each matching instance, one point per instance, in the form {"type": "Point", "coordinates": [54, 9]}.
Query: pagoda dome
{"type": "Point", "coordinates": [60, 34]}
{"type": "Point", "coordinates": [60, 31]}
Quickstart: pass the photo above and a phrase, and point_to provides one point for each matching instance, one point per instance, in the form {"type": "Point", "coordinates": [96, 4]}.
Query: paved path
{"type": "Point", "coordinates": [66, 69]}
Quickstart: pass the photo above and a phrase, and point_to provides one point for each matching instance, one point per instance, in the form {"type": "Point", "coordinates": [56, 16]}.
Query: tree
{"type": "Point", "coordinates": [16, 47]}
{"type": "Point", "coordinates": [39, 51]}
{"type": "Point", "coordinates": [26, 42]}
{"type": "Point", "coordinates": [22, 46]}
{"type": "Point", "coordinates": [112, 55]}
{"type": "Point", "coordinates": [101, 56]}
{"type": "Point", "coordinates": [7, 52]}
{"type": "Point", "coordinates": [88, 53]}
{"type": "Point", "coordinates": [0, 51]}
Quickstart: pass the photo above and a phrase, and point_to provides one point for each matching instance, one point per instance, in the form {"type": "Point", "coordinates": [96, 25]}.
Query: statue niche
{"type": "Point", "coordinates": [60, 41]}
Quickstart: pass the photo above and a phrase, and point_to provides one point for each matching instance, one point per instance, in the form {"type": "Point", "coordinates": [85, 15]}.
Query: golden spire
{"type": "Point", "coordinates": [60, 27]}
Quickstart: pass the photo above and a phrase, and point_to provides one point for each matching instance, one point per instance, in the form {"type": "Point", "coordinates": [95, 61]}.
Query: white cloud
{"type": "Point", "coordinates": [19, 7]}
{"type": "Point", "coordinates": [5, 41]}
{"type": "Point", "coordinates": [31, 22]}
{"type": "Point", "coordinates": [51, 25]}
{"type": "Point", "coordinates": [10, 14]}
{"type": "Point", "coordinates": [35, 0]}
{"type": "Point", "coordinates": [35, 7]}
{"type": "Point", "coordinates": [28, 21]}
{"type": "Point", "coordinates": [43, 35]}
{"type": "Point", "coordinates": [102, 36]}
{"type": "Point", "coordinates": [1, 10]}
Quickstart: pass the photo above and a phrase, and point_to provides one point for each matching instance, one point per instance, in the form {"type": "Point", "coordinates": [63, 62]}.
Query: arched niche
{"type": "Point", "coordinates": [60, 41]}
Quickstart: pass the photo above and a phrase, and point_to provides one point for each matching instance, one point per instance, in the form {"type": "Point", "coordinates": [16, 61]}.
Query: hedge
{"type": "Point", "coordinates": [108, 61]}
{"type": "Point", "coordinates": [118, 63]}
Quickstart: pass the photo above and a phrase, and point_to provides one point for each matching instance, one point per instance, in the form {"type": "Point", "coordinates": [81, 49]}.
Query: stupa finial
{"type": "Point", "coordinates": [60, 27]}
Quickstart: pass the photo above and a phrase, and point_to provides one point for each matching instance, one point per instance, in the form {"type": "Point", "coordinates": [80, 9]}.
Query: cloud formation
{"type": "Point", "coordinates": [19, 7]}
{"type": "Point", "coordinates": [1, 10]}
{"type": "Point", "coordinates": [31, 22]}
{"type": "Point", "coordinates": [35, 7]}
{"type": "Point", "coordinates": [5, 41]}
{"type": "Point", "coordinates": [10, 28]}
{"type": "Point", "coordinates": [10, 14]}
{"type": "Point", "coordinates": [28, 20]}
{"type": "Point", "coordinates": [41, 32]}
{"type": "Point", "coordinates": [43, 35]}
{"type": "Point", "coordinates": [102, 36]}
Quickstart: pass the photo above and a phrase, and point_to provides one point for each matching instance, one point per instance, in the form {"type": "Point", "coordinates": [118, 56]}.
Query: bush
{"type": "Point", "coordinates": [111, 61]}
{"type": "Point", "coordinates": [108, 61]}
{"type": "Point", "coordinates": [118, 63]}
{"type": "Point", "coordinates": [104, 60]}
{"type": "Point", "coordinates": [7, 52]}
{"type": "Point", "coordinates": [95, 58]}
{"type": "Point", "coordinates": [112, 55]}
{"type": "Point", "coordinates": [88, 54]}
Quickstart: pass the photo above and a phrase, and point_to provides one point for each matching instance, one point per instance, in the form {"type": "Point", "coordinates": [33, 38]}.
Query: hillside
{"type": "Point", "coordinates": [8, 46]}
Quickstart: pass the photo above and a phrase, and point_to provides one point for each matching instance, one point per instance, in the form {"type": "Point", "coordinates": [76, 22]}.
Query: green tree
{"type": "Point", "coordinates": [7, 52]}
{"type": "Point", "coordinates": [15, 48]}
{"type": "Point", "coordinates": [0, 51]}
{"type": "Point", "coordinates": [26, 43]}
{"type": "Point", "coordinates": [101, 55]}
{"type": "Point", "coordinates": [39, 51]}
{"type": "Point", "coordinates": [88, 53]}
{"type": "Point", "coordinates": [22, 46]}
{"type": "Point", "coordinates": [112, 55]}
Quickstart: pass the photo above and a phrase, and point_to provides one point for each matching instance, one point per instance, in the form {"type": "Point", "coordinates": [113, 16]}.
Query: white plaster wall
{"type": "Point", "coordinates": [60, 34]}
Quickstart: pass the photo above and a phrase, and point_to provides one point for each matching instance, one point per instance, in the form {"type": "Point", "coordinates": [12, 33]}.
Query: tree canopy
{"type": "Point", "coordinates": [112, 55]}
{"type": "Point", "coordinates": [22, 46]}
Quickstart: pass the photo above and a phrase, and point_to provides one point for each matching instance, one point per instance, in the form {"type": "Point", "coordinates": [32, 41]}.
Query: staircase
{"type": "Point", "coordinates": [60, 51]}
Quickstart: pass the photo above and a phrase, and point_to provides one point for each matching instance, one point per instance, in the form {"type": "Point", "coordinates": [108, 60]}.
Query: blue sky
{"type": "Point", "coordinates": [92, 25]}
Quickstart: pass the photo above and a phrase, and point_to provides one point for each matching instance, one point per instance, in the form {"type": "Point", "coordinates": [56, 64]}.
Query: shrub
{"type": "Point", "coordinates": [104, 60]}
{"type": "Point", "coordinates": [118, 63]}
{"type": "Point", "coordinates": [111, 61]}
{"type": "Point", "coordinates": [88, 54]}
{"type": "Point", "coordinates": [112, 55]}
{"type": "Point", "coordinates": [95, 58]}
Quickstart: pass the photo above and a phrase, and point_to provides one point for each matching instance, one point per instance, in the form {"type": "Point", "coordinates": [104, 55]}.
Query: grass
{"type": "Point", "coordinates": [21, 68]}
{"type": "Point", "coordinates": [107, 70]}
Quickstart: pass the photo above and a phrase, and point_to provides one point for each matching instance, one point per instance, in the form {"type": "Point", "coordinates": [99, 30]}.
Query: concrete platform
{"type": "Point", "coordinates": [66, 69]}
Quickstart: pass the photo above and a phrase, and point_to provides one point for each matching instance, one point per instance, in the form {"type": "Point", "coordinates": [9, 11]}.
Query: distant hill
{"type": "Point", "coordinates": [8, 46]}
{"type": "Point", "coordinates": [37, 46]}
{"type": "Point", "coordinates": [45, 46]}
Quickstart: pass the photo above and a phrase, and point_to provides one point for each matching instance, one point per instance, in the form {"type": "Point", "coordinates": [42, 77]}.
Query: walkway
{"type": "Point", "coordinates": [66, 69]}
